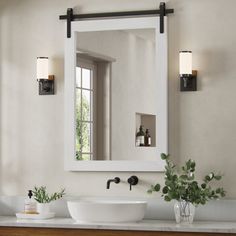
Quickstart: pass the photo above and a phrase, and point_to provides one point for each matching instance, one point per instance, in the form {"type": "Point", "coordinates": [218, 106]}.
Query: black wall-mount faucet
{"type": "Point", "coordinates": [116, 180]}
{"type": "Point", "coordinates": [133, 180]}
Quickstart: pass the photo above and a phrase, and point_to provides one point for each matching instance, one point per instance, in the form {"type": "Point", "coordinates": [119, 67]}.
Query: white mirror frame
{"type": "Point", "coordinates": [70, 163]}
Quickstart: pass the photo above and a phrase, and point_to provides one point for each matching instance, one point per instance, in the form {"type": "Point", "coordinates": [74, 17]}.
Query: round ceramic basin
{"type": "Point", "coordinates": [107, 210]}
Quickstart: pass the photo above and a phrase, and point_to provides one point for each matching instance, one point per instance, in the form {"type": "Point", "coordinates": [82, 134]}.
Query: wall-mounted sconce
{"type": "Point", "coordinates": [46, 81]}
{"type": "Point", "coordinates": [188, 77]}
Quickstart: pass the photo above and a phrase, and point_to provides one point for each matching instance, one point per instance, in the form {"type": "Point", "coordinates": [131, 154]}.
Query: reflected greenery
{"type": "Point", "coordinates": [82, 134]}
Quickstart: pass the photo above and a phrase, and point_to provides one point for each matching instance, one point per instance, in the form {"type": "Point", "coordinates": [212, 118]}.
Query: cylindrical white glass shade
{"type": "Point", "coordinates": [185, 63]}
{"type": "Point", "coordinates": [42, 67]}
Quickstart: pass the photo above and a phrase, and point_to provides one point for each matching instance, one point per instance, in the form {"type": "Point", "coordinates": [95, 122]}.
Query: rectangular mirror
{"type": "Point", "coordinates": [115, 82]}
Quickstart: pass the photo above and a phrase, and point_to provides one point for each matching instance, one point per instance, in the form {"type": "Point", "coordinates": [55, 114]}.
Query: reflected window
{"type": "Point", "coordinates": [84, 111]}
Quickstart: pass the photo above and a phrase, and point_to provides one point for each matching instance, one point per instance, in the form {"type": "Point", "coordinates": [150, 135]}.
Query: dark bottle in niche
{"type": "Point", "coordinates": [147, 138]}
{"type": "Point", "coordinates": [140, 137]}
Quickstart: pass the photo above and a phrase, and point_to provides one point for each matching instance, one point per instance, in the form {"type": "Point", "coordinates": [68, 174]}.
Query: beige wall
{"type": "Point", "coordinates": [201, 124]}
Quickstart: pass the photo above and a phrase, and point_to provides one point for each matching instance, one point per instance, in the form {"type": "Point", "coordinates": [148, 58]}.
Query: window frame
{"type": "Point", "coordinates": [89, 65]}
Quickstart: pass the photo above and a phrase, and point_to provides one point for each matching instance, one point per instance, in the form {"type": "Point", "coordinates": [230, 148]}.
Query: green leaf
{"type": "Point", "coordinates": [222, 194]}
{"type": "Point", "coordinates": [191, 176]}
{"type": "Point", "coordinates": [218, 190]}
{"type": "Point", "coordinates": [218, 177]}
{"type": "Point", "coordinates": [207, 178]}
{"type": "Point", "coordinates": [163, 156]}
{"type": "Point", "coordinates": [172, 195]}
{"type": "Point", "coordinates": [174, 177]}
{"type": "Point", "coordinates": [203, 185]}
{"type": "Point", "coordinates": [149, 191]}
{"type": "Point", "coordinates": [203, 202]}
{"type": "Point", "coordinates": [157, 187]}
{"type": "Point", "coordinates": [211, 175]}
{"type": "Point", "coordinates": [167, 199]}
{"type": "Point", "coordinates": [184, 177]}
{"type": "Point", "coordinates": [188, 164]}
{"type": "Point", "coordinates": [165, 190]}
{"type": "Point", "coordinates": [193, 164]}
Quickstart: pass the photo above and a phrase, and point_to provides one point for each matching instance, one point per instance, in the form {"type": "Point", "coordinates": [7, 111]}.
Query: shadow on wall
{"type": "Point", "coordinates": [0, 100]}
{"type": "Point", "coordinates": [7, 133]}
{"type": "Point", "coordinates": [13, 99]}
{"type": "Point", "coordinates": [1, 46]}
{"type": "Point", "coordinates": [212, 63]}
{"type": "Point", "coordinates": [57, 64]}
{"type": "Point", "coordinates": [174, 33]}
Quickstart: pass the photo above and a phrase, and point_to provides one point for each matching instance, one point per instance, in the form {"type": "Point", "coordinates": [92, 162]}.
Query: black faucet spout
{"type": "Point", "coordinates": [116, 180]}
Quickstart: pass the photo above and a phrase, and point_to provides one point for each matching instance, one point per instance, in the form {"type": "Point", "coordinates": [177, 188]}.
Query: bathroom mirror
{"type": "Point", "coordinates": [115, 81]}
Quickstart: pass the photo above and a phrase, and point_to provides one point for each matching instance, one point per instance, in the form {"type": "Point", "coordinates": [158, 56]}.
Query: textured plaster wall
{"type": "Point", "coordinates": [201, 124]}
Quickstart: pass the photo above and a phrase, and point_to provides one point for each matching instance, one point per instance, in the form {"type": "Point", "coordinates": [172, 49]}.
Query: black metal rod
{"type": "Point", "coordinates": [69, 17]}
{"type": "Point", "coordinates": [115, 14]}
{"type": "Point", "coordinates": [162, 14]}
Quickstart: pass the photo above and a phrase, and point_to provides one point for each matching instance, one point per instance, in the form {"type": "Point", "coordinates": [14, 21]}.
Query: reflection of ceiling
{"type": "Point", "coordinates": [147, 34]}
{"type": "Point", "coordinates": [86, 54]}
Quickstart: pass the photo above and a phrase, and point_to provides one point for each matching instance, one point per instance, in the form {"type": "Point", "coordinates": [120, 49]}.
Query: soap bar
{"type": "Point", "coordinates": [32, 212]}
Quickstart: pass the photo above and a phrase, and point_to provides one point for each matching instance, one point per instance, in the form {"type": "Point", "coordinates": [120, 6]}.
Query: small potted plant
{"type": "Point", "coordinates": [44, 199]}
{"type": "Point", "coordinates": [188, 193]}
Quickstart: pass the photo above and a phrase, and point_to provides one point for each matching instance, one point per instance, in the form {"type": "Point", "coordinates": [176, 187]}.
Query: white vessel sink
{"type": "Point", "coordinates": [107, 210]}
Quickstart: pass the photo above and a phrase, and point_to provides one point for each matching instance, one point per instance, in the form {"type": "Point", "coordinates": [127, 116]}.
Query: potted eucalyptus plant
{"type": "Point", "coordinates": [180, 185]}
{"type": "Point", "coordinates": [43, 198]}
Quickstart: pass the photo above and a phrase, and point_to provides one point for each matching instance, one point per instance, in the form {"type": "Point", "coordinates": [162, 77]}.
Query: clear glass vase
{"type": "Point", "coordinates": [184, 212]}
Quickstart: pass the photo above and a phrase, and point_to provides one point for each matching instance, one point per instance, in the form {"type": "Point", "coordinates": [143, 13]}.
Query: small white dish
{"type": "Point", "coordinates": [44, 216]}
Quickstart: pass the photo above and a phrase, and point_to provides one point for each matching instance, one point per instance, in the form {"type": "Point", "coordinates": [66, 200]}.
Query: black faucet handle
{"type": "Point", "coordinates": [133, 180]}
{"type": "Point", "coordinates": [117, 180]}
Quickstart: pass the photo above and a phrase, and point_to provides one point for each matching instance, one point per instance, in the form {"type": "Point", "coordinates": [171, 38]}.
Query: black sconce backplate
{"type": "Point", "coordinates": [46, 86]}
{"type": "Point", "coordinates": [188, 82]}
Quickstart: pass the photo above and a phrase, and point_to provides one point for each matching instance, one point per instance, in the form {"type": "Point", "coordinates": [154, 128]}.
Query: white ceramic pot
{"type": "Point", "coordinates": [43, 208]}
